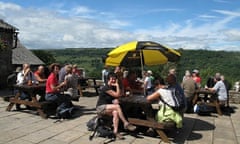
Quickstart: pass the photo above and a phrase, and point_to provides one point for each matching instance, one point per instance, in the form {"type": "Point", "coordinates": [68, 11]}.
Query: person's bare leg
{"type": "Point", "coordinates": [115, 121]}
{"type": "Point", "coordinates": [116, 107]}
{"type": "Point", "coordinates": [116, 111]}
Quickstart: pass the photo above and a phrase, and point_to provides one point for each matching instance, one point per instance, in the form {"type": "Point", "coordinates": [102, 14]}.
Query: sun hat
{"type": "Point", "coordinates": [195, 71]}
{"type": "Point", "coordinates": [149, 71]}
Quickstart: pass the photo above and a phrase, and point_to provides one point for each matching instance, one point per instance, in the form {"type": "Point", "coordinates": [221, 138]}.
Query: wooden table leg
{"type": "Point", "coordinates": [36, 104]}
{"type": "Point", "coordinates": [41, 113]}
{"type": "Point", "coordinates": [216, 103]}
{"type": "Point", "coordinates": [194, 100]}
{"type": "Point", "coordinates": [163, 136]}
{"type": "Point", "coordinates": [11, 104]}
{"type": "Point", "coordinates": [95, 86]}
{"type": "Point", "coordinates": [80, 90]}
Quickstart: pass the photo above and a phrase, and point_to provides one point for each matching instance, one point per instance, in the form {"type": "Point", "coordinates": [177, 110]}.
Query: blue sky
{"type": "Point", "coordinates": [187, 24]}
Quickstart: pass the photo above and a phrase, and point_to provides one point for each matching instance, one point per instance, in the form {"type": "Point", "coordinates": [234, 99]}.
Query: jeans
{"type": "Point", "coordinates": [58, 98]}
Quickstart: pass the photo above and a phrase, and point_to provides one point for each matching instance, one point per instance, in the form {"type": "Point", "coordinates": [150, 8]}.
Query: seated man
{"type": "Point", "coordinates": [24, 77]}
{"type": "Point", "coordinates": [40, 78]}
{"type": "Point", "coordinates": [220, 89]}
{"type": "Point", "coordinates": [107, 104]}
{"type": "Point", "coordinates": [40, 74]}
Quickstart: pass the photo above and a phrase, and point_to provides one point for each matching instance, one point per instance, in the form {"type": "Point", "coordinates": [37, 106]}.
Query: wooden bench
{"type": "Point", "coordinates": [139, 102]}
{"type": "Point", "coordinates": [159, 127]}
{"type": "Point", "coordinates": [32, 91]}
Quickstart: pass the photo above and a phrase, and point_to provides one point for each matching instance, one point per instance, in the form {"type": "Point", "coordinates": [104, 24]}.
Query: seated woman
{"type": "Point", "coordinates": [107, 104]}
{"type": "Point", "coordinates": [71, 83]}
{"type": "Point", "coordinates": [53, 88]}
{"type": "Point", "coordinates": [165, 112]}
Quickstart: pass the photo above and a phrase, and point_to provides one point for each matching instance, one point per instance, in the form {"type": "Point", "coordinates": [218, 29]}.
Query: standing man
{"type": "Point", "coordinates": [189, 87]}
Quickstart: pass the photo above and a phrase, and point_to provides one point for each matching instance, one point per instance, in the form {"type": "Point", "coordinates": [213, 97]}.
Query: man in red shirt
{"type": "Point", "coordinates": [39, 74]}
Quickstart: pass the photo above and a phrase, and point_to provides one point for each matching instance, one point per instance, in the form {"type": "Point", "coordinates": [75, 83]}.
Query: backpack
{"type": "Point", "coordinates": [64, 112]}
{"type": "Point", "coordinates": [202, 109]}
{"type": "Point", "coordinates": [96, 125]}
{"type": "Point", "coordinates": [174, 97]}
{"type": "Point", "coordinates": [92, 123]}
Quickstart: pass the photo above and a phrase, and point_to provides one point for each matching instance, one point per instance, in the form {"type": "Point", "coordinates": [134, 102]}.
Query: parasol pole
{"type": "Point", "coordinates": [141, 57]}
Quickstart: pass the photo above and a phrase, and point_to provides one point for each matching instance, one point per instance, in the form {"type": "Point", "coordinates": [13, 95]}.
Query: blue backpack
{"type": "Point", "coordinates": [178, 97]}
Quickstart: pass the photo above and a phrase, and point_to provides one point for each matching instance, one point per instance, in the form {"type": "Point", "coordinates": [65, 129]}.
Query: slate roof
{"type": "Point", "coordinates": [5, 25]}
{"type": "Point", "coordinates": [21, 55]}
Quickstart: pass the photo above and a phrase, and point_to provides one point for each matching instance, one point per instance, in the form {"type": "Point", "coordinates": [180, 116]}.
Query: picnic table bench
{"type": "Point", "coordinates": [150, 122]}
{"type": "Point", "coordinates": [32, 91]}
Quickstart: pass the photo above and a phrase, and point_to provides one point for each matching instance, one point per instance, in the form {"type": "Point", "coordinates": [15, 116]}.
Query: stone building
{"type": "Point", "coordinates": [8, 37]}
{"type": "Point", "coordinates": [12, 52]}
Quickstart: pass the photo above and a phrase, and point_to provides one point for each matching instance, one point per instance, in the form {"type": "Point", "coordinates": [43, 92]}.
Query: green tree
{"type": "Point", "coordinates": [45, 56]}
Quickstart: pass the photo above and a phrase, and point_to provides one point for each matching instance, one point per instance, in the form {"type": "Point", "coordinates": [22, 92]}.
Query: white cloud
{"type": "Point", "coordinates": [9, 6]}
{"type": "Point", "coordinates": [232, 35]}
{"type": "Point", "coordinates": [85, 27]}
{"type": "Point", "coordinates": [207, 16]}
{"type": "Point", "coordinates": [229, 13]}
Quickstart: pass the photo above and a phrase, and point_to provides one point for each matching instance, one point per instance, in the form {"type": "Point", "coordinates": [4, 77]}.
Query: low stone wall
{"type": "Point", "coordinates": [234, 97]}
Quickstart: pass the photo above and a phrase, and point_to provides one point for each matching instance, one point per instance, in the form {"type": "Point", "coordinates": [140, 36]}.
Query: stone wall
{"type": "Point", "coordinates": [6, 67]}
{"type": "Point", "coordinates": [234, 97]}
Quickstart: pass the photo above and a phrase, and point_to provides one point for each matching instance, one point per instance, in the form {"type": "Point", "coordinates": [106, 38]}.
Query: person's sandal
{"type": "Point", "coordinates": [119, 136]}
{"type": "Point", "coordinates": [130, 127]}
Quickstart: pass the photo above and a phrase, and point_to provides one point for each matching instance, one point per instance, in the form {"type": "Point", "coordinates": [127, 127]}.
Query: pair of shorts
{"type": "Point", "coordinates": [101, 109]}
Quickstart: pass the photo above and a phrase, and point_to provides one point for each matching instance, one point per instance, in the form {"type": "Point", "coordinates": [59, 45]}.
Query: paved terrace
{"type": "Point", "coordinates": [28, 128]}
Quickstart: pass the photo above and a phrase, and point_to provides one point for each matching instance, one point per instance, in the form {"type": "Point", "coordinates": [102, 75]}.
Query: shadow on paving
{"type": "Point", "coordinates": [186, 133]}
{"type": "Point", "coordinates": [179, 136]}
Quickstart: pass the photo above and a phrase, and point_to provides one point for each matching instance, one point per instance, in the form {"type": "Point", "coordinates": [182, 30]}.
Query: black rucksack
{"type": "Point", "coordinates": [64, 111]}
{"type": "Point", "coordinates": [98, 127]}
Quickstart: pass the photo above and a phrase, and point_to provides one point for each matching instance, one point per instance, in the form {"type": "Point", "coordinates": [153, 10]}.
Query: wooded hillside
{"type": "Point", "coordinates": [207, 62]}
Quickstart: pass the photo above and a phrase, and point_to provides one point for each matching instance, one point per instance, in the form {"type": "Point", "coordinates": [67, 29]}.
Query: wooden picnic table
{"type": "Point", "coordinates": [141, 102]}
{"type": "Point", "coordinates": [207, 97]}
{"type": "Point", "coordinates": [32, 91]}
{"type": "Point", "coordinates": [83, 83]}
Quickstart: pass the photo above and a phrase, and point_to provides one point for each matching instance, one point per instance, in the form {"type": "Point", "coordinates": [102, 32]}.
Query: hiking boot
{"type": "Point", "coordinates": [119, 136]}
{"type": "Point", "coordinates": [130, 127]}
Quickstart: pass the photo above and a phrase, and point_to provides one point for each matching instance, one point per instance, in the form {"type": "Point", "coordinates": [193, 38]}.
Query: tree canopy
{"type": "Point", "coordinates": [207, 62]}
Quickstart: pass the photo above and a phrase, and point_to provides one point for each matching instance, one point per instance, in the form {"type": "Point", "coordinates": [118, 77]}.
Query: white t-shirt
{"type": "Point", "coordinates": [221, 90]}
{"type": "Point", "coordinates": [148, 80]}
{"type": "Point", "coordinates": [166, 96]}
